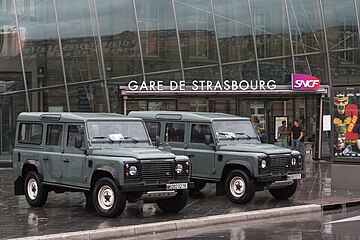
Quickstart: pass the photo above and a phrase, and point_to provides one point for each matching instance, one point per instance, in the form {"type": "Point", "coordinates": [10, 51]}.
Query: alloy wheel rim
{"type": "Point", "coordinates": [32, 189]}
{"type": "Point", "coordinates": [106, 197]}
{"type": "Point", "coordinates": [237, 187]}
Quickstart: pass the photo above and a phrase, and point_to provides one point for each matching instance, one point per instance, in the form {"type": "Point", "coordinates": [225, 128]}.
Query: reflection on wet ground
{"type": "Point", "coordinates": [66, 212]}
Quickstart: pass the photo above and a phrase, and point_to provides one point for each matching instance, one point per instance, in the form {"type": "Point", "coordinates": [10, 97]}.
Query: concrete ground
{"type": "Point", "coordinates": [64, 213]}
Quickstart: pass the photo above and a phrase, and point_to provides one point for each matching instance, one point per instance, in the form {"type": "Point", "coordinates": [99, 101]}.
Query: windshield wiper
{"type": "Point", "coordinates": [243, 134]}
{"type": "Point", "coordinates": [131, 138]}
{"type": "Point", "coordinates": [100, 137]}
{"type": "Point", "coordinates": [227, 135]}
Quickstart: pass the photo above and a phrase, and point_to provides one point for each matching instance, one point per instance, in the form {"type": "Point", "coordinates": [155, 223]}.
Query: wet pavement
{"type": "Point", "coordinates": [66, 212]}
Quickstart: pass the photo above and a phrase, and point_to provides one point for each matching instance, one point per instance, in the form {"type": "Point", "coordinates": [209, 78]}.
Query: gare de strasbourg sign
{"type": "Point", "coordinates": [299, 82]}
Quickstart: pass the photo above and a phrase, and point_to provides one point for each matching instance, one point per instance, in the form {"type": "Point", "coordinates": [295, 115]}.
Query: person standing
{"type": "Point", "coordinates": [296, 135]}
{"type": "Point", "coordinates": [282, 134]}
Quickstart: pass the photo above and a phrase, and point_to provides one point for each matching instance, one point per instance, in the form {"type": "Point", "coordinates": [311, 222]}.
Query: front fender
{"type": "Point", "coordinates": [37, 164]}
{"type": "Point", "coordinates": [243, 163]}
{"type": "Point", "coordinates": [108, 169]}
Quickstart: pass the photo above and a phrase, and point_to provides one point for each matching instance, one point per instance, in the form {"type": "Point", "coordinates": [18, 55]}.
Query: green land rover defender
{"type": "Point", "coordinates": [226, 150]}
{"type": "Point", "coordinates": [109, 157]}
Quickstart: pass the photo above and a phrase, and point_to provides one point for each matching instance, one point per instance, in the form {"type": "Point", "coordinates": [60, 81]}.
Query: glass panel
{"type": "Point", "coordinates": [306, 28]}
{"type": "Point", "coordinates": [87, 98]}
{"type": "Point", "coordinates": [41, 51]}
{"type": "Point", "coordinates": [222, 105]}
{"type": "Point", "coordinates": [271, 29]}
{"type": "Point", "coordinates": [278, 70]}
{"type": "Point", "coordinates": [79, 41]}
{"type": "Point", "coordinates": [53, 100]}
{"type": "Point", "coordinates": [341, 25]}
{"type": "Point", "coordinates": [153, 129]}
{"type": "Point", "coordinates": [234, 30]}
{"type": "Point", "coordinates": [198, 132]}
{"type": "Point", "coordinates": [119, 37]}
{"type": "Point", "coordinates": [313, 65]}
{"type": "Point", "coordinates": [54, 135]}
{"type": "Point", "coordinates": [255, 110]}
{"type": "Point", "coordinates": [198, 78]}
{"type": "Point", "coordinates": [345, 67]}
{"type": "Point", "coordinates": [165, 79]}
{"type": "Point", "coordinates": [197, 34]}
{"type": "Point", "coordinates": [240, 71]}
{"type": "Point", "coordinates": [158, 35]}
{"type": "Point", "coordinates": [193, 105]}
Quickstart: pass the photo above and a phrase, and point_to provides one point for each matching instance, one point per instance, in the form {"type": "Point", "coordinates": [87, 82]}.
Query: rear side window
{"type": "Point", "coordinates": [174, 132]}
{"type": "Point", "coordinates": [54, 135]}
{"type": "Point", "coordinates": [198, 133]}
{"type": "Point", "coordinates": [153, 129]}
{"type": "Point", "coordinates": [30, 133]}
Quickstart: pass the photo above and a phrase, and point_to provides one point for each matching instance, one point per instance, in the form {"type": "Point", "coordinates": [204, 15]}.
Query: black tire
{"type": "Point", "coordinates": [239, 187]}
{"type": "Point", "coordinates": [284, 193]}
{"type": "Point", "coordinates": [35, 192]}
{"type": "Point", "coordinates": [108, 199]}
{"type": "Point", "coordinates": [174, 204]}
{"type": "Point", "coordinates": [198, 186]}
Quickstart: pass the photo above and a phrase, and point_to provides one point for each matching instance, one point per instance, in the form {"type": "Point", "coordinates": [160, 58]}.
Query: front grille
{"type": "Point", "coordinates": [152, 171]}
{"type": "Point", "coordinates": [280, 164]}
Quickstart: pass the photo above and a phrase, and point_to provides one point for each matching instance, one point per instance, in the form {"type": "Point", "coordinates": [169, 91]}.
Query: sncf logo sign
{"type": "Point", "coordinates": [303, 82]}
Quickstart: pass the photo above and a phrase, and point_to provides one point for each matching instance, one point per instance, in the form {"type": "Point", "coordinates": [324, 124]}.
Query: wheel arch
{"type": "Point", "coordinates": [229, 166]}
{"type": "Point", "coordinates": [104, 171]}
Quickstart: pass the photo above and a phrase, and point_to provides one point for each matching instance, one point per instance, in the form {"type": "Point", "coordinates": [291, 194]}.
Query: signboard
{"type": "Point", "coordinates": [346, 104]}
{"type": "Point", "coordinates": [303, 82]}
{"type": "Point", "coordinates": [326, 123]}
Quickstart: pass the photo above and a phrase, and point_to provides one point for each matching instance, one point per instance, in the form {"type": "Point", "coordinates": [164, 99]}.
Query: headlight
{"type": "Point", "coordinates": [293, 161]}
{"type": "Point", "coordinates": [263, 164]}
{"type": "Point", "coordinates": [133, 170]}
{"type": "Point", "coordinates": [178, 168]}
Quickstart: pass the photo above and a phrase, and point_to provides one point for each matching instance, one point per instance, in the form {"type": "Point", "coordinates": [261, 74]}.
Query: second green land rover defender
{"type": "Point", "coordinates": [226, 149]}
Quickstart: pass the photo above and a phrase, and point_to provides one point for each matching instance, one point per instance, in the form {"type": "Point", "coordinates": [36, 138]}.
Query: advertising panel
{"type": "Point", "coordinates": [346, 123]}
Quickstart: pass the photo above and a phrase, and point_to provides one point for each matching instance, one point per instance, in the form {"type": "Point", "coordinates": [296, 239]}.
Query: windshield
{"type": "Point", "coordinates": [117, 131]}
{"type": "Point", "coordinates": [234, 129]}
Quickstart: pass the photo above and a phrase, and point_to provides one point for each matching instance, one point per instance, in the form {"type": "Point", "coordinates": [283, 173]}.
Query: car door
{"type": "Point", "coordinates": [52, 152]}
{"type": "Point", "coordinates": [74, 159]}
{"type": "Point", "coordinates": [174, 137]}
{"type": "Point", "coordinates": [202, 155]}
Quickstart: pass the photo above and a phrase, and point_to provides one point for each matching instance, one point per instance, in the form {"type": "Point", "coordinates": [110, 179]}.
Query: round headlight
{"type": "Point", "coordinates": [263, 164]}
{"type": "Point", "coordinates": [132, 170]}
{"type": "Point", "coordinates": [178, 168]}
{"type": "Point", "coordinates": [293, 161]}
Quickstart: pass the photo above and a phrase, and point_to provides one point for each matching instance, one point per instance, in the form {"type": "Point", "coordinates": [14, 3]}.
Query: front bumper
{"type": "Point", "coordinates": [273, 178]}
{"type": "Point", "coordinates": [151, 187]}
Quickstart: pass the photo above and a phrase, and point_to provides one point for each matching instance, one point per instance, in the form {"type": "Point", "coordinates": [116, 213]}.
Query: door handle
{"type": "Point", "coordinates": [46, 159]}
{"type": "Point", "coordinates": [66, 160]}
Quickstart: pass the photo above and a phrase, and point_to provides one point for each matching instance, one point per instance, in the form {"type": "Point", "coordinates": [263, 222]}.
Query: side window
{"type": "Point", "coordinates": [74, 131]}
{"type": "Point", "coordinates": [174, 132]}
{"type": "Point", "coordinates": [54, 135]}
{"type": "Point", "coordinates": [153, 129]}
{"type": "Point", "coordinates": [198, 132]}
{"type": "Point", "coordinates": [30, 133]}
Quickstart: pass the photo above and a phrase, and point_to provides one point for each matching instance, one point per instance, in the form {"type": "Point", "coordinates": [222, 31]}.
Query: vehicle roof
{"type": "Point", "coordinates": [184, 116]}
{"type": "Point", "coordinates": [68, 116]}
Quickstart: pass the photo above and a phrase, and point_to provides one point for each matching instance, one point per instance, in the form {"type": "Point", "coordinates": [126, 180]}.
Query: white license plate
{"type": "Point", "coordinates": [175, 186]}
{"type": "Point", "coordinates": [294, 176]}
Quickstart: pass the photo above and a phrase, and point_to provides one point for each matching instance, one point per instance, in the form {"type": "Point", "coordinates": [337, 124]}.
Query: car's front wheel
{"type": "Point", "coordinates": [239, 187]}
{"type": "Point", "coordinates": [174, 204]}
{"type": "Point", "coordinates": [35, 192]}
{"type": "Point", "coordinates": [109, 200]}
{"type": "Point", "coordinates": [284, 193]}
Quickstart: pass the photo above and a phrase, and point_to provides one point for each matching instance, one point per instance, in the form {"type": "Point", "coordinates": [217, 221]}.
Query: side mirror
{"type": "Point", "coordinates": [207, 139]}
{"type": "Point", "coordinates": [157, 141]}
{"type": "Point", "coordinates": [78, 142]}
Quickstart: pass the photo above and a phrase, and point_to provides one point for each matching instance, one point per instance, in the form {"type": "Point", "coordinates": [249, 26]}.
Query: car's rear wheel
{"type": "Point", "coordinates": [35, 192]}
{"type": "Point", "coordinates": [109, 200]}
{"type": "Point", "coordinates": [239, 187]}
{"type": "Point", "coordinates": [284, 193]}
{"type": "Point", "coordinates": [174, 204]}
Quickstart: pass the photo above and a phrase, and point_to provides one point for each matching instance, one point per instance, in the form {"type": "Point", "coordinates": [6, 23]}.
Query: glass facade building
{"type": "Point", "coordinates": [79, 55]}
